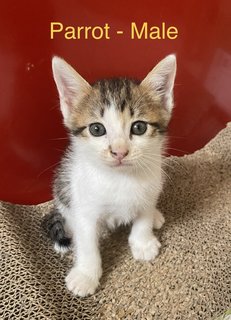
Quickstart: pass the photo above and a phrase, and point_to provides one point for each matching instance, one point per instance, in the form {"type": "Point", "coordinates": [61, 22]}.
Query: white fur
{"type": "Point", "coordinates": [60, 250]}
{"type": "Point", "coordinates": [99, 196]}
{"type": "Point", "coordinates": [103, 192]}
{"type": "Point", "coordinates": [111, 195]}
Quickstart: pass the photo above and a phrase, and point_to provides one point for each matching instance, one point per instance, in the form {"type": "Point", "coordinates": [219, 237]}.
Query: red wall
{"type": "Point", "coordinates": [32, 136]}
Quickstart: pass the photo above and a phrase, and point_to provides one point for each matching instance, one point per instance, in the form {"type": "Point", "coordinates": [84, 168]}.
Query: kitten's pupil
{"type": "Point", "coordinates": [139, 128]}
{"type": "Point", "coordinates": [97, 129]}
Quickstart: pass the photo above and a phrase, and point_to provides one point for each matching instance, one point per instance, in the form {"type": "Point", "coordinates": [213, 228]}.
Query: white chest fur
{"type": "Point", "coordinates": [114, 195]}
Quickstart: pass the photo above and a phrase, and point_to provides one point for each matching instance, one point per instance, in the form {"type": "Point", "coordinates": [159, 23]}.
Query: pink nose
{"type": "Point", "coordinates": [119, 155]}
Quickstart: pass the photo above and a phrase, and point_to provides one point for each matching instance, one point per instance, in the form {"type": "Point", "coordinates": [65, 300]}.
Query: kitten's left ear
{"type": "Point", "coordinates": [161, 80]}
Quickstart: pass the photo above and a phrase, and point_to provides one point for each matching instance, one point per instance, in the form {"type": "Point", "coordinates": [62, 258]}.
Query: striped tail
{"type": "Point", "coordinates": [53, 224]}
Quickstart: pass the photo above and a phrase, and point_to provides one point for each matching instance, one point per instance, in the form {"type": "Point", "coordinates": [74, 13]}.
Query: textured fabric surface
{"type": "Point", "coordinates": [225, 316]}
{"type": "Point", "coordinates": [189, 280]}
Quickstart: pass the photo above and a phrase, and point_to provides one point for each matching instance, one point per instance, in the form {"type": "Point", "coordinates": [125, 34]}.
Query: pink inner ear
{"type": "Point", "coordinates": [67, 90]}
{"type": "Point", "coordinates": [67, 102]}
{"type": "Point", "coordinates": [163, 75]}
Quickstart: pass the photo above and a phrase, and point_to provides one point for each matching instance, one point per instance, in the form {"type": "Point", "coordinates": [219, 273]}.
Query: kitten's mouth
{"type": "Point", "coordinates": [120, 164]}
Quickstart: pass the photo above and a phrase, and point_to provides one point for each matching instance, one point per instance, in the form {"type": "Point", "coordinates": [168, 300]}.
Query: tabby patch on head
{"type": "Point", "coordinates": [118, 122]}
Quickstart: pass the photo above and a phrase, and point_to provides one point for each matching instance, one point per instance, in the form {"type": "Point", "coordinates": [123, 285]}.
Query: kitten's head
{"type": "Point", "coordinates": [117, 122]}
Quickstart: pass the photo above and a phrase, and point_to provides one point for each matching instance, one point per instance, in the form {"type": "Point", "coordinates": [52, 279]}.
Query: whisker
{"type": "Point", "coordinates": [175, 149]}
{"type": "Point", "coordinates": [157, 164]}
{"type": "Point", "coordinates": [164, 159]}
{"type": "Point", "coordinates": [53, 165]}
{"type": "Point", "coordinates": [165, 162]}
{"type": "Point", "coordinates": [175, 162]}
{"type": "Point", "coordinates": [59, 138]}
{"type": "Point", "coordinates": [150, 157]}
{"type": "Point", "coordinates": [162, 170]}
{"type": "Point", "coordinates": [60, 150]}
{"type": "Point", "coordinates": [175, 137]}
{"type": "Point", "coordinates": [147, 171]}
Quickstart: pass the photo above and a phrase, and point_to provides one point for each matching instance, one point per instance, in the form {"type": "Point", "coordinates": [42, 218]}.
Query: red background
{"type": "Point", "coordinates": [32, 136]}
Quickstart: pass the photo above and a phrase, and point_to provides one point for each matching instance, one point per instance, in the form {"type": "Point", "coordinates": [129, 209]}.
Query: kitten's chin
{"type": "Point", "coordinates": [119, 164]}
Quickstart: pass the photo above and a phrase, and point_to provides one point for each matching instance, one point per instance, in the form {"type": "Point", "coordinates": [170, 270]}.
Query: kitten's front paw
{"type": "Point", "coordinates": [158, 219]}
{"type": "Point", "coordinates": [80, 284]}
{"type": "Point", "coordinates": [145, 249]}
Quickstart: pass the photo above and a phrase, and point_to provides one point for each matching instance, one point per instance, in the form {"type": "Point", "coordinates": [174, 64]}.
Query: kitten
{"type": "Point", "coordinates": [111, 173]}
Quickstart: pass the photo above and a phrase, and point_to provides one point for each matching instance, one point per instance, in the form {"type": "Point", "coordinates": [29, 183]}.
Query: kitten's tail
{"type": "Point", "coordinates": [53, 224]}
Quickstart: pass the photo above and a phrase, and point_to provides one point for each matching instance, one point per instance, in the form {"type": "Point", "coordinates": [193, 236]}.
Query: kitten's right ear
{"type": "Point", "coordinates": [71, 87]}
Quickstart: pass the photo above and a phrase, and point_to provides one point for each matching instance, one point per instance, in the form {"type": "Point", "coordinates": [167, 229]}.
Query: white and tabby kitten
{"type": "Point", "coordinates": [111, 173]}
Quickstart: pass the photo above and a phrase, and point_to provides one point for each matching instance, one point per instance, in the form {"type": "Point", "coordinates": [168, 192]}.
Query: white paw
{"type": "Point", "coordinates": [80, 284]}
{"type": "Point", "coordinates": [158, 219]}
{"type": "Point", "coordinates": [145, 249]}
{"type": "Point", "coordinates": [61, 250]}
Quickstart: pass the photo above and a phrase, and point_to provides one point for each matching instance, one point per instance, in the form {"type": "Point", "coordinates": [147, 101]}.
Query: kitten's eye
{"type": "Point", "coordinates": [97, 129]}
{"type": "Point", "coordinates": [139, 128]}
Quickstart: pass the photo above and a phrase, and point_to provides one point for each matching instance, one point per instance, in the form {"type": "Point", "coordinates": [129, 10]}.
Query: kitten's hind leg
{"type": "Point", "coordinates": [55, 228]}
{"type": "Point", "coordinates": [159, 219]}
